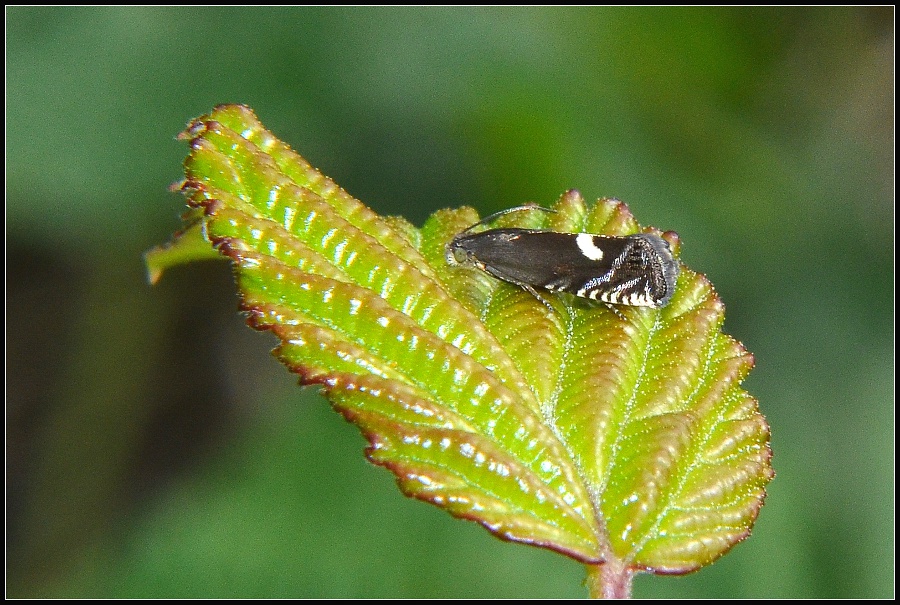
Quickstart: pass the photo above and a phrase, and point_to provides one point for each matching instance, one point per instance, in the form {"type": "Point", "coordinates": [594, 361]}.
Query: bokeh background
{"type": "Point", "coordinates": [155, 449]}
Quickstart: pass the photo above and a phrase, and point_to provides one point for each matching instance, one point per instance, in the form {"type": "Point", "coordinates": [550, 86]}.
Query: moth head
{"type": "Point", "coordinates": [457, 253]}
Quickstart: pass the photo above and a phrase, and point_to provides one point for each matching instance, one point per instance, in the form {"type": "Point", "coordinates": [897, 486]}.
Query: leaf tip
{"type": "Point", "coordinates": [674, 241]}
{"type": "Point", "coordinates": [572, 196]}
{"type": "Point", "coordinates": [152, 265]}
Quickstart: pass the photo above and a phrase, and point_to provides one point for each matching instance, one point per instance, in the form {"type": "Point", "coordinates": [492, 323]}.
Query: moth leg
{"type": "Point", "coordinates": [618, 313]}
{"type": "Point", "coordinates": [534, 293]}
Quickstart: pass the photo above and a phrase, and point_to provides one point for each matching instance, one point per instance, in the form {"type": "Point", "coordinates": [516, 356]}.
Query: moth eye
{"type": "Point", "coordinates": [460, 255]}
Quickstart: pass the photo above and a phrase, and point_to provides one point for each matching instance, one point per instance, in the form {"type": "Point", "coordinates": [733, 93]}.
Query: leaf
{"type": "Point", "coordinates": [615, 435]}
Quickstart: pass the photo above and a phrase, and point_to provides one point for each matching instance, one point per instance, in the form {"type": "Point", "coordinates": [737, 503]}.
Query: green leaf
{"type": "Point", "coordinates": [619, 436]}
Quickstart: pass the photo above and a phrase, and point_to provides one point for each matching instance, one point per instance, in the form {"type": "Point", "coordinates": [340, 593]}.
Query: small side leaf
{"type": "Point", "coordinates": [616, 435]}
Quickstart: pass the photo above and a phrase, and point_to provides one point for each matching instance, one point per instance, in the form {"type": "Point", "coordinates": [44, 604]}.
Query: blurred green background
{"type": "Point", "coordinates": [155, 449]}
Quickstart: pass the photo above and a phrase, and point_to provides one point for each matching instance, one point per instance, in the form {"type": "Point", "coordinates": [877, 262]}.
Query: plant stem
{"type": "Point", "coordinates": [610, 580]}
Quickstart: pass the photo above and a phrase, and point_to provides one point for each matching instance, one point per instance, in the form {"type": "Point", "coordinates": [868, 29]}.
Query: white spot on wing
{"type": "Point", "coordinates": [585, 242]}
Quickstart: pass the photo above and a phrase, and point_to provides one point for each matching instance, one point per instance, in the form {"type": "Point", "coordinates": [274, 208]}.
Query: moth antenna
{"type": "Point", "coordinates": [496, 215]}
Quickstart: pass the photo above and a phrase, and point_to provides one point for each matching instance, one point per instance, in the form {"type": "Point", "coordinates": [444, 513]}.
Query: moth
{"type": "Point", "coordinates": [637, 270]}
